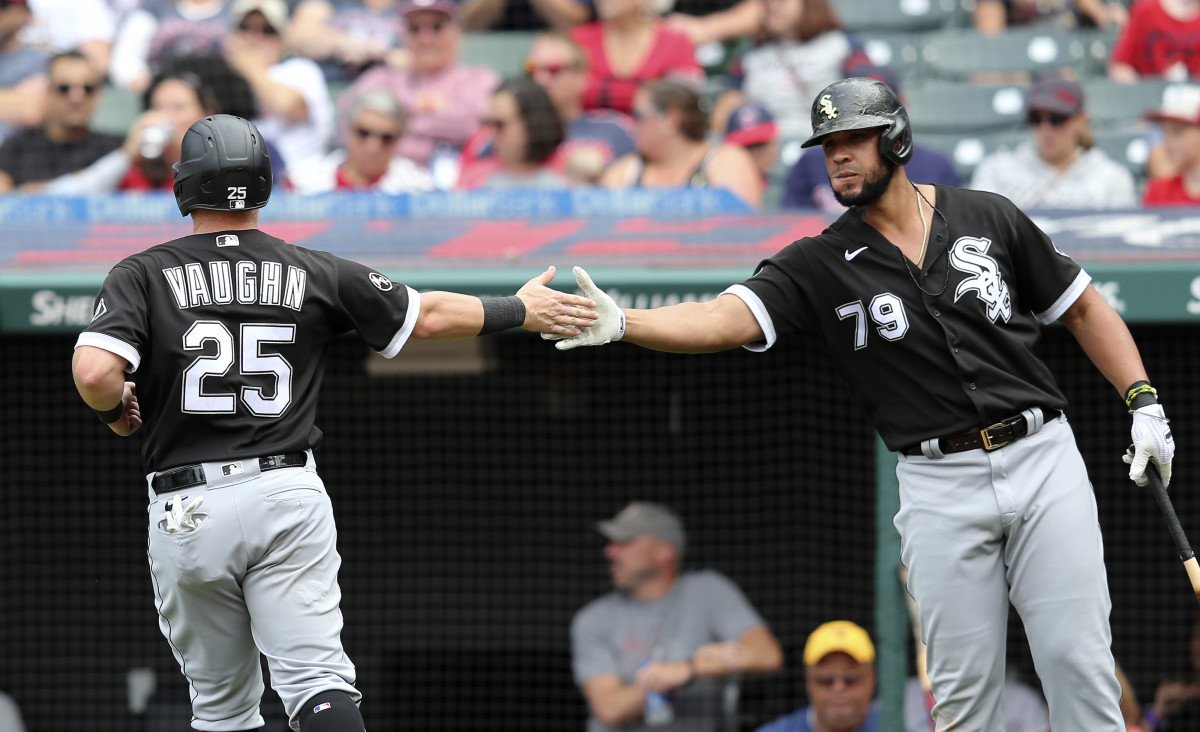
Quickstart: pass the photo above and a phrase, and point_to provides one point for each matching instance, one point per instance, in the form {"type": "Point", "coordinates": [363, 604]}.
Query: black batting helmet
{"type": "Point", "coordinates": [223, 166]}
{"type": "Point", "coordinates": [859, 103]}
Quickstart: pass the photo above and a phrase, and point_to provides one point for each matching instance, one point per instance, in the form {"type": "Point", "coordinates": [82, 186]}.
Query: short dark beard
{"type": "Point", "coordinates": [873, 187]}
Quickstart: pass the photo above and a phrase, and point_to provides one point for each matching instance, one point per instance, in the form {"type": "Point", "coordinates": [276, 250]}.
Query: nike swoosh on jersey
{"type": "Point", "coordinates": [852, 254]}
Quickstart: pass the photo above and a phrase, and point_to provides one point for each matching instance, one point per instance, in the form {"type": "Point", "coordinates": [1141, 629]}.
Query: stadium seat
{"type": "Point", "coordinates": [117, 110]}
{"type": "Point", "coordinates": [967, 150]}
{"type": "Point", "coordinates": [892, 15]}
{"type": "Point", "coordinates": [966, 54]}
{"type": "Point", "coordinates": [504, 51]}
{"type": "Point", "coordinates": [1099, 45]}
{"type": "Point", "coordinates": [901, 52]}
{"type": "Point", "coordinates": [1113, 105]}
{"type": "Point", "coordinates": [943, 107]}
{"type": "Point", "coordinates": [1127, 147]}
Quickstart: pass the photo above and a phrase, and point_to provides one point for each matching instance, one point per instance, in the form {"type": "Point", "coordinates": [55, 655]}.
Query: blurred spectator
{"type": "Point", "coordinates": [800, 50]}
{"type": "Point", "coordinates": [295, 112]}
{"type": "Point", "coordinates": [839, 680]}
{"type": "Point", "coordinates": [10, 714]}
{"type": "Point", "coordinates": [1177, 700]}
{"type": "Point", "coordinates": [445, 101]}
{"type": "Point", "coordinates": [162, 30]}
{"type": "Point", "coordinates": [525, 14]}
{"type": "Point", "coordinates": [63, 143]}
{"type": "Point", "coordinates": [628, 46]}
{"type": "Point", "coordinates": [349, 36]}
{"type": "Point", "coordinates": [807, 184]}
{"type": "Point", "coordinates": [1160, 40]}
{"type": "Point", "coordinates": [652, 653]}
{"type": "Point", "coordinates": [1060, 168]}
{"type": "Point", "coordinates": [753, 127]}
{"type": "Point", "coordinates": [22, 72]}
{"type": "Point", "coordinates": [594, 137]}
{"type": "Point", "coordinates": [670, 130]}
{"type": "Point", "coordinates": [368, 160]}
{"type": "Point", "coordinates": [1179, 116]}
{"type": "Point", "coordinates": [88, 26]}
{"type": "Point", "coordinates": [143, 162]}
{"type": "Point", "coordinates": [1024, 708]}
{"type": "Point", "coordinates": [993, 16]}
{"type": "Point", "coordinates": [526, 132]}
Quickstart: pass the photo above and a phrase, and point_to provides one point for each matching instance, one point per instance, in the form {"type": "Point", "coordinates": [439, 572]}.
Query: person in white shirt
{"type": "Point", "coordinates": [1058, 168]}
{"type": "Point", "coordinates": [295, 111]}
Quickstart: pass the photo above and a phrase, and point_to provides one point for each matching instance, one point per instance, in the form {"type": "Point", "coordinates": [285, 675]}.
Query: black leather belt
{"type": "Point", "coordinates": [988, 438]}
{"type": "Point", "coordinates": [190, 475]}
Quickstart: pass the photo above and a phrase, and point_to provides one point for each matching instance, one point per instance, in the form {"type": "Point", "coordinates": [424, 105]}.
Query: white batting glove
{"type": "Point", "coordinates": [180, 518]}
{"type": "Point", "coordinates": [1152, 441]}
{"type": "Point", "coordinates": [610, 326]}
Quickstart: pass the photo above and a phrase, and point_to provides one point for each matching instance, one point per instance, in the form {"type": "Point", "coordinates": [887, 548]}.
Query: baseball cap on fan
{"type": "Point", "coordinates": [640, 518]}
{"type": "Point", "coordinates": [275, 11]}
{"type": "Point", "coordinates": [750, 124]}
{"type": "Point", "coordinates": [1181, 102]}
{"type": "Point", "coordinates": [839, 636]}
{"type": "Point", "coordinates": [1055, 95]}
{"type": "Point", "coordinates": [446, 7]}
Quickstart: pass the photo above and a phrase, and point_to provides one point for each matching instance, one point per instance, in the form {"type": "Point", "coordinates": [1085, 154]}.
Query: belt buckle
{"type": "Point", "coordinates": [985, 433]}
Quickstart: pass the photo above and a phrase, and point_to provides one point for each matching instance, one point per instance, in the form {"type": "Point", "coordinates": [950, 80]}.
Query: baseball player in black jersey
{"type": "Point", "coordinates": [928, 299]}
{"type": "Point", "coordinates": [224, 333]}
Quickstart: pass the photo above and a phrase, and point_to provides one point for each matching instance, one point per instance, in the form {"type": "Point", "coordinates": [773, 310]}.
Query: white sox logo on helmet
{"type": "Point", "coordinates": [969, 255]}
{"type": "Point", "coordinates": [827, 107]}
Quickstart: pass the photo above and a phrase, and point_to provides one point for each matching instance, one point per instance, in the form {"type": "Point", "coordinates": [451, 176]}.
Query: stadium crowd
{"type": "Point", "coordinates": [408, 96]}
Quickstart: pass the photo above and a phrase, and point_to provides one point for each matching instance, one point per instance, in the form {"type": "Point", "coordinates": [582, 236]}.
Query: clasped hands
{"type": "Point", "coordinates": [663, 676]}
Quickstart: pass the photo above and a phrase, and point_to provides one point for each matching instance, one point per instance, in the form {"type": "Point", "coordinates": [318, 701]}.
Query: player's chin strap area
{"type": "Point", "coordinates": [1028, 422]}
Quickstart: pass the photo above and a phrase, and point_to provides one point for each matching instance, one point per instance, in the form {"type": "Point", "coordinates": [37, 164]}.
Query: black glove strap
{"type": "Point", "coordinates": [110, 416]}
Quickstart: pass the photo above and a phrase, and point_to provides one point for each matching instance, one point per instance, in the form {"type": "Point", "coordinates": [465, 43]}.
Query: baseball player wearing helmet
{"type": "Point", "coordinates": [928, 299]}
{"type": "Point", "coordinates": [224, 333]}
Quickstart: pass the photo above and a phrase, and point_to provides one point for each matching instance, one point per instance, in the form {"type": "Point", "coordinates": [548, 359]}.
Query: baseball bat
{"type": "Point", "coordinates": [1186, 555]}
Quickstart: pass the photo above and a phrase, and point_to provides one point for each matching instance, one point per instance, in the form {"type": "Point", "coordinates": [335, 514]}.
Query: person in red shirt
{"type": "Point", "coordinates": [1162, 39]}
{"type": "Point", "coordinates": [628, 46]}
{"type": "Point", "coordinates": [1180, 120]}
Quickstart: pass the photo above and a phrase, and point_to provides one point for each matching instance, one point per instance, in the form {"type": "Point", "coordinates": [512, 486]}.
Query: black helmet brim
{"type": "Point", "coordinates": [860, 122]}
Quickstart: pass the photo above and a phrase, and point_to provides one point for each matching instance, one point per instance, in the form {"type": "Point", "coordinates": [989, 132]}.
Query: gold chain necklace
{"type": "Point", "coordinates": [924, 228]}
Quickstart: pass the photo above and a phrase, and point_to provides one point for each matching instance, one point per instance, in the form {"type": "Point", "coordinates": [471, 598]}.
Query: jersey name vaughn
{"type": "Point", "coordinates": [969, 256]}
{"type": "Point", "coordinates": [225, 282]}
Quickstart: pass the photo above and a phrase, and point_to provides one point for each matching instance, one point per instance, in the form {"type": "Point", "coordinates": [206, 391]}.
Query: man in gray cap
{"type": "Point", "coordinates": [653, 653]}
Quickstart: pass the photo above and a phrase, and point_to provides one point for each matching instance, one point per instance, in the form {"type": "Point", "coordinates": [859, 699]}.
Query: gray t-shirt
{"type": "Point", "coordinates": [1093, 181]}
{"type": "Point", "coordinates": [616, 634]}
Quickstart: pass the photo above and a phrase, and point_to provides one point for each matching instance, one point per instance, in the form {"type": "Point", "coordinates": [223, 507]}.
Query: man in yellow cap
{"type": "Point", "coordinates": [839, 678]}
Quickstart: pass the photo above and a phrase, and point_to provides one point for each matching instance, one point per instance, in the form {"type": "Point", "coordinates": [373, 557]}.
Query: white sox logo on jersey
{"type": "Point", "coordinates": [969, 255]}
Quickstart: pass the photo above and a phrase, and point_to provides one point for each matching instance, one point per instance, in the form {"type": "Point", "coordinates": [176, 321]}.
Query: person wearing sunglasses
{"type": "Point", "coordinates": [295, 110]}
{"type": "Point", "coordinates": [525, 132]}
{"type": "Point", "coordinates": [367, 161]}
{"type": "Point", "coordinates": [1058, 167]}
{"type": "Point", "coordinates": [445, 100]}
{"type": "Point", "coordinates": [839, 681]}
{"type": "Point", "coordinates": [64, 142]}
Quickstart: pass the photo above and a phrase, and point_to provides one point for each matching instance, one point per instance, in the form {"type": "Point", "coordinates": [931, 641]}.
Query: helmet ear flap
{"type": "Point", "coordinates": [896, 142]}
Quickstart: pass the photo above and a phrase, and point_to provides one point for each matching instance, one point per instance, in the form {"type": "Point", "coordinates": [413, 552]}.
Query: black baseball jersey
{"type": "Point", "coordinates": [932, 353]}
{"type": "Point", "coordinates": [226, 334]}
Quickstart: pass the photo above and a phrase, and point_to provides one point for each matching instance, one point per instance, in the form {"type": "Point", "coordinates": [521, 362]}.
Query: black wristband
{"type": "Point", "coordinates": [109, 416]}
{"type": "Point", "coordinates": [1140, 394]}
{"type": "Point", "coordinates": [501, 313]}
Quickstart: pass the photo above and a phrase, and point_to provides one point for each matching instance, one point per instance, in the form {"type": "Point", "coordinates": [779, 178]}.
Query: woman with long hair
{"type": "Point", "coordinates": [526, 132]}
{"type": "Point", "coordinates": [670, 130]}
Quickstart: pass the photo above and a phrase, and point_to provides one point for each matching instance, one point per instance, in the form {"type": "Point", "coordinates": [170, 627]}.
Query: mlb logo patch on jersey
{"type": "Point", "coordinates": [228, 240]}
{"type": "Point", "coordinates": [322, 707]}
{"type": "Point", "coordinates": [383, 283]}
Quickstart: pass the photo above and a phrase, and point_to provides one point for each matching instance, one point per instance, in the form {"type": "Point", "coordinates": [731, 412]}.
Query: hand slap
{"type": "Point", "coordinates": [610, 319]}
{"type": "Point", "coordinates": [551, 312]}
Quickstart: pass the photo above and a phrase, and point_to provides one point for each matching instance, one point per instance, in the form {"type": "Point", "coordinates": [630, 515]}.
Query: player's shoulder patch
{"type": "Point", "coordinates": [382, 283]}
{"type": "Point", "coordinates": [100, 311]}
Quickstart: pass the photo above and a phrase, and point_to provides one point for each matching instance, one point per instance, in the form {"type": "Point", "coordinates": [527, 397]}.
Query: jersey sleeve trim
{"type": "Point", "coordinates": [760, 314]}
{"type": "Point", "coordinates": [410, 322]}
{"type": "Point", "coordinates": [112, 345]}
{"type": "Point", "coordinates": [1067, 299]}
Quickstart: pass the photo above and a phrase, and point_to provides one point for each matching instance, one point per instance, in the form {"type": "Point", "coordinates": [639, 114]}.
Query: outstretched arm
{"type": "Point", "coordinates": [689, 327]}
{"type": "Point", "coordinates": [535, 307]}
